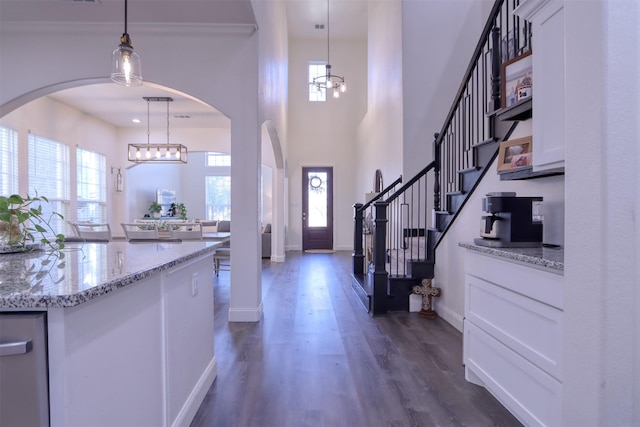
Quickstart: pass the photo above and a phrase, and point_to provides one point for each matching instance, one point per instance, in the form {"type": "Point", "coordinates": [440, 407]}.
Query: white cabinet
{"type": "Point", "coordinates": [140, 355]}
{"type": "Point", "coordinates": [513, 336]}
{"type": "Point", "coordinates": [547, 22]}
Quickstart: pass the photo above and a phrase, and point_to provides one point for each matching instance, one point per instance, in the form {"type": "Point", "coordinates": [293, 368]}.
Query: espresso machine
{"type": "Point", "coordinates": [510, 221]}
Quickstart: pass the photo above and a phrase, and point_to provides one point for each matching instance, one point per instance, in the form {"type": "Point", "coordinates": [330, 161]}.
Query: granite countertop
{"type": "Point", "coordinates": [83, 271]}
{"type": "Point", "coordinates": [552, 258]}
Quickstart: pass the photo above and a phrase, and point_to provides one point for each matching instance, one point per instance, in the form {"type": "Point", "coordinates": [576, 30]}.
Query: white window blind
{"type": "Point", "coordinates": [49, 177]}
{"type": "Point", "coordinates": [92, 186]}
{"type": "Point", "coordinates": [8, 161]}
{"type": "Point", "coordinates": [316, 69]}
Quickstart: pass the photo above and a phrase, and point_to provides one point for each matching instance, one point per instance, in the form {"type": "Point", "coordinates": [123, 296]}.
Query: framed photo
{"type": "Point", "coordinates": [517, 79]}
{"type": "Point", "coordinates": [515, 154]}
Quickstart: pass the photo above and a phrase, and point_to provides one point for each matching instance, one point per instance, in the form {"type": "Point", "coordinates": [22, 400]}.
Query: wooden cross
{"type": "Point", "coordinates": [428, 292]}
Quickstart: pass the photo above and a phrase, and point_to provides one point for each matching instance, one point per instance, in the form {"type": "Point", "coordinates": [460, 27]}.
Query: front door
{"type": "Point", "coordinates": [317, 208]}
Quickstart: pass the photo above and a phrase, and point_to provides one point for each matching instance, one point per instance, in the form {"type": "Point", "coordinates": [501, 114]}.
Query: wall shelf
{"type": "Point", "coordinates": [522, 110]}
{"type": "Point", "coordinates": [528, 173]}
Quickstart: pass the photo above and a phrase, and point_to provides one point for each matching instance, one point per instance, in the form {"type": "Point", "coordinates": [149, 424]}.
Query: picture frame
{"type": "Point", "coordinates": [517, 79]}
{"type": "Point", "coordinates": [515, 154]}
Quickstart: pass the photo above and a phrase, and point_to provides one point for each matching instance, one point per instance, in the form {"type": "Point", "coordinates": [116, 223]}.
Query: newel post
{"type": "Point", "coordinates": [379, 273]}
{"type": "Point", "coordinates": [358, 255]}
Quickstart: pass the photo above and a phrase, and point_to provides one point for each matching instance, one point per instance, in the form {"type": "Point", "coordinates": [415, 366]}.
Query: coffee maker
{"type": "Point", "coordinates": [510, 221]}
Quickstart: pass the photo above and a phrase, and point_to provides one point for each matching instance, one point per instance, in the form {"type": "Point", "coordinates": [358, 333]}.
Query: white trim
{"type": "Point", "coordinates": [245, 314]}
{"type": "Point", "coordinates": [197, 395]}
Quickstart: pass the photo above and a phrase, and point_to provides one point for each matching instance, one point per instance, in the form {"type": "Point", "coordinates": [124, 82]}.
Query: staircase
{"type": "Point", "coordinates": [397, 233]}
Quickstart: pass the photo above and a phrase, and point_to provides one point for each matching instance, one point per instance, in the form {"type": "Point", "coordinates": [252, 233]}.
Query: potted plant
{"type": "Point", "coordinates": [178, 209]}
{"type": "Point", "coordinates": [155, 209]}
{"type": "Point", "coordinates": [22, 221]}
{"type": "Point", "coordinates": [182, 209]}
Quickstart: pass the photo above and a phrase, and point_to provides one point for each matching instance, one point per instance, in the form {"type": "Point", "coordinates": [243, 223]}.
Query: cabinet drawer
{"type": "Point", "coordinates": [529, 327]}
{"type": "Point", "coordinates": [532, 395]}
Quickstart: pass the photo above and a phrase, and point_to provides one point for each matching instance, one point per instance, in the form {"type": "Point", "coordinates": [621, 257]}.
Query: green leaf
{"type": "Point", "coordinates": [16, 199]}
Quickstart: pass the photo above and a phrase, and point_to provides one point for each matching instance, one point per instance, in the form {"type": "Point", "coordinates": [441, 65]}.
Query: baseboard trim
{"type": "Point", "coordinates": [196, 397]}
{"type": "Point", "coordinates": [245, 314]}
{"type": "Point", "coordinates": [453, 318]}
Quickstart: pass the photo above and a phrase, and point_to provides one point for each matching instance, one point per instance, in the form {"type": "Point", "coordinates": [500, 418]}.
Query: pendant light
{"type": "Point", "coordinates": [126, 68]}
{"type": "Point", "coordinates": [157, 153]}
{"type": "Point", "coordinates": [329, 81]}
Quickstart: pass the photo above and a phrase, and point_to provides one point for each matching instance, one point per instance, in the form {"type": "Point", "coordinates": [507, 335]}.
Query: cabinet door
{"type": "Point", "coordinates": [547, 20]}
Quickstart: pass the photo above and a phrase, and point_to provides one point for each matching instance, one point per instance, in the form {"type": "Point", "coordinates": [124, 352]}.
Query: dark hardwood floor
{"type": "Point", "coordinates": [318, 359]}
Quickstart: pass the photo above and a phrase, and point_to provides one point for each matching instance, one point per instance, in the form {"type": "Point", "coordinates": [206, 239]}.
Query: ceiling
{"type": "Point", "coordinates": [118, 105]}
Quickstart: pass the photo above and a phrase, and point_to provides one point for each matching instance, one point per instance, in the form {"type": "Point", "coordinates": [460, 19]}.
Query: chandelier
{"type": "Point", "coordinates": [329, 81]}
{"type": "Point", "coordinates": [157, 153]}
{"type": "Point", "coordinates": [126, 68]}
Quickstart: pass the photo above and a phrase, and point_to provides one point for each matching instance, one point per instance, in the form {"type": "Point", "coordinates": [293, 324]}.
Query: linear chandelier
{"type": "Point", "coordinates": [329, 81]}
{"type": "Point", "coordinates": [126, 68]}
{"type": "Point", "coordinates": [157, 152]}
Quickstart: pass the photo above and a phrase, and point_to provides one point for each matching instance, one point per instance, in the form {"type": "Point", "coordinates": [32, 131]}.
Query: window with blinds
{"type": "Point", "coordinates": [92, 186]}
{"type": "Point", "coordinates": [49, 177]}
{"type": "Point", "coordinates": [8, 161]}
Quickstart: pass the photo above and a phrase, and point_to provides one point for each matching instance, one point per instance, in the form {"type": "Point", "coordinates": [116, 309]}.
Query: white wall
{"type": "Point", "coordinates": [602, 257]}
{"type": "Point", "coordinates": [437, 42]}
{"type": "Point", "coordinates": [274, 96]}
{"type": "Point", "coordinates": [324, 133]}
{"type": "Point", "coordinates": [380, 132]}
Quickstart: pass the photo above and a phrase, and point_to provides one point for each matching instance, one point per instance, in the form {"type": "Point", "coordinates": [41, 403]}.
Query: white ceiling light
{"type": "Point", "coordinates": [126, 68]}
{"type": "Point", "coordinates": [329, 81]}
{"type": "Point", "coordinates": [157, 153]}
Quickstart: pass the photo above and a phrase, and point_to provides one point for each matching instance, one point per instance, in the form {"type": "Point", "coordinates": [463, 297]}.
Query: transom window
{"type": "Point", "coordinates": [317, 69]}
{"type": "Point", "coordinates": [218, 159]}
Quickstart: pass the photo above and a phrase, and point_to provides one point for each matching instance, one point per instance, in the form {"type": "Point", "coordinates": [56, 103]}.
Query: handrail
{"type": "Point", "coordinates": [382, 193]}
{"type": "Point", "coordinates": [488, 26]}
{"type": "Point", "coordinates": [412, 181]}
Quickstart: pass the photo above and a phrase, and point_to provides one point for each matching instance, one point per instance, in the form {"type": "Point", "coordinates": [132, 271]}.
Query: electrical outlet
{"type": "Point", "coordinates": [194, 285]}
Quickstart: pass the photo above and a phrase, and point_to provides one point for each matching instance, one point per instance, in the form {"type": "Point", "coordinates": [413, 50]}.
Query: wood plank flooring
{"type": "Point", "coordinates": [318, 359]}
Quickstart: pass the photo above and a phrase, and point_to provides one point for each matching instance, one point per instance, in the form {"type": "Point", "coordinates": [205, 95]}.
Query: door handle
{"type": "Point", "coordinates": [13, 348]}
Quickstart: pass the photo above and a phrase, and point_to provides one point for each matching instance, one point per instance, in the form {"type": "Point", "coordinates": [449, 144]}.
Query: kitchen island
{"type": "Point", "coordinates": [129, 328]}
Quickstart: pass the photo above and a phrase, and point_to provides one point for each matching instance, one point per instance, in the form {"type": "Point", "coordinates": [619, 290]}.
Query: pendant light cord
{"type": "Point", "coordinates": [167, 122]}
{"type": "Point", "coordinates": [328, 61]}
{"type": "Point", "coordinates": [125, 16]}
{"type": "Point", "coordinates": [148, 123]}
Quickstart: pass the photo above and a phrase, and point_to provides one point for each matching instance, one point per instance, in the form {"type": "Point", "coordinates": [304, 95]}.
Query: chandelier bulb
{"type": "Point", "coordinates": [158, 154]}
{"type": "Point", "coordinates": [148, 154]}
{"type": "Point", "coordinates": [336, 93]}
{"type": "Point", "coordinates": [178, 154]}
{"type": "Point", "coordinates": [168, 153]}
{"type": "Point", "coordinates": [138, 153]}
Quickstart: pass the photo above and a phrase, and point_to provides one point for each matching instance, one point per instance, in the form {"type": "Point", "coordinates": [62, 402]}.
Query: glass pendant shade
{"type": "Point", "coordinates": [126, 68]}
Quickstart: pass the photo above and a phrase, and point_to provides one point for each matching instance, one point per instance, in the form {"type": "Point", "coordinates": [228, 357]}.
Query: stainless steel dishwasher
{"type": "Point", "coordinates": [24, 385]}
